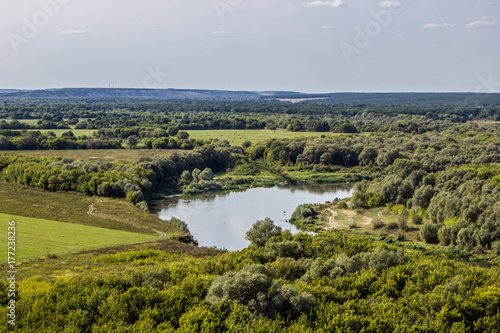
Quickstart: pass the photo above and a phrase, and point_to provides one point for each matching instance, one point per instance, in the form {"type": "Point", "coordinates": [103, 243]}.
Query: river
{"type": "Point", "coordinates": [222, 219]}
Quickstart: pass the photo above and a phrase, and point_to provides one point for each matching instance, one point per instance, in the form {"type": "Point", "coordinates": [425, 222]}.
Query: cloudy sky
{"type": "Point", "coordinates": [308, 46]}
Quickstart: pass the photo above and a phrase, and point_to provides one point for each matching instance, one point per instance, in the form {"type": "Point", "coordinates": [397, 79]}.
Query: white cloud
{"type": "Point", "coordinates": [319, 3]}
{"type": "Point", "coordinates": [390, 4]}
{"type": "Point", "coordinates": [482, 23]}
{"type": "Point", "coordinates": [327, 27]}
{"type": "Point", "coordinates": [73, 32]}
{"type": "Point", "coordinates": [223, 32]}
{"type": "Point", "coordinates": [438, 25]}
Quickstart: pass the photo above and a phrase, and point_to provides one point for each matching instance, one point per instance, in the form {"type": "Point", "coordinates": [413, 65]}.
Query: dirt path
{"type": "Point", "coordinates": [98, 201]}
{"type": "Point", "coordinates": [331, 221]}
{"type": "Point", "coordinates": [162, 234]}
{"type": "Point", "coordinates": [91, 207]}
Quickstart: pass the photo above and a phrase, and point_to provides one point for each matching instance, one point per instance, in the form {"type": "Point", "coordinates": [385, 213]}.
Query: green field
{"type": "Point", "coordinates": [237, 137]}
{"type": "Point", "coordinates": [122, 155]}
{"type": "Point", "coordinates": [71, 207]}
{"type": "Point", "coordinates": [37, 237]}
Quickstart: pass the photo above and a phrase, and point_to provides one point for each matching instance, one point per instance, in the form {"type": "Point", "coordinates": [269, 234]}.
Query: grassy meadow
{"type": "Point", "coordinates": [38, 237]}
{"type": "Point", "coordinates": [122, 155]}
{"type": "Point", "coordinates": [237, 137]}
{"type": "Point", "coordinates": [73, 208]}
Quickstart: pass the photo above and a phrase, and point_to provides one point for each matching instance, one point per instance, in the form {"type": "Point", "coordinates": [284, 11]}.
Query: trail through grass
{"type": "Point", "coordinates": [38, 237]}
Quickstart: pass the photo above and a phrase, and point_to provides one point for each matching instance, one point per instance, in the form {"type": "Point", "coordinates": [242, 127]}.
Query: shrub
{"type": "Point", "coordinates": [403, 220]}
{"type": "Point", "coordinates": [377, 224]}
{"type": "Point", "coordinates": [416, 219]}
{"type": "Point", "coordinates": [143, 205]}
{"type": "Point", "coordinates": [429, 233]}
{"type": "Point", "coordinates": [156, 279]}
{"type": "Point", "coordinates": [342, 204]}
{"type": "Point", "coordinates": [447, 235]}
{"type": "Point", "coordinates": [391, 226]}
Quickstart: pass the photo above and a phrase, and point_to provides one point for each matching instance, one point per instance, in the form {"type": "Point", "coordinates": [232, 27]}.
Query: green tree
{"type": "Point", "coordinates": [429, 233]}
{"type": "Point", "coordinates": [206, 174]}
{"type": "Point", "coordinates": [262, 231]}
{"type": "Point", "coordinates": [403, 220]}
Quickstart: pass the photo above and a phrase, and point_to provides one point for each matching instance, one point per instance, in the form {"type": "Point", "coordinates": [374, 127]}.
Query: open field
{"type": "Point", "coordinates": [38, 237]}
{"type": "Point", "coordinates": [26, 121]}
{"type": "Point", "coordinates": [122, 155]}
{"type": "Point", "coordinates": [74, 208]}
{"type": "Point", "coordinates": [237, 137]}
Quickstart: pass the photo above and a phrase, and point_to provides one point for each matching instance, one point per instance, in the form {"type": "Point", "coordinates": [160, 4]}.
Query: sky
{"type": "Point", "coordinates": [311, 46]}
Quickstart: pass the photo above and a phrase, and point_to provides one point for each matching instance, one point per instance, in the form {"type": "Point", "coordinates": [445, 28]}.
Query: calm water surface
{"type": "Point", "coordinates": [222, 219]}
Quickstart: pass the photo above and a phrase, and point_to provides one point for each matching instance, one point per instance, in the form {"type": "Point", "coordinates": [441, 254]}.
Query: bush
{"type": "Point", "coordinates": [429, 233]}
{"type": "Point", "coordinates": [392, 226]}
{"type": "Point", "coordinates": [156, 279]}
{"type": "Point", "coordinates": [416, 219]}
{"type": "Point", "coordinates": [342, 204]}
{"type": "Point", "coordinates": [403, 220]}
{"type": "Point", "coordinates": [377, 224]}
{"type": "Point", "coordinates": [143, 205]}
{"type": "Point", "coordinates": [447, 235]}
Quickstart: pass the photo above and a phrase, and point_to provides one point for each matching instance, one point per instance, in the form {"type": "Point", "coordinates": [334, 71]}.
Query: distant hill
{"type": "Point", "coordinates": [358, 99]}
{"type": "Point", "coordinates": [144, 94]}
{"type": "Point", "coordinates": [6, 91]}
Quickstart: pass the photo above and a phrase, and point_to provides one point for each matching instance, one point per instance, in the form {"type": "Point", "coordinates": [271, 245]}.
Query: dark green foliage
{"type": "Point", "coordinates": [403, 220]}
{"type": "Point", "coordinates": [289, 249]}
{"type": "Point", "coordinates": [447, 235]}
{"type": "Point", "coordinates": [392, 226]}
{"type": "Point", "coordinates": [429, 233]}
{"type": "Point", "coordinates": [377, 224]}
{"type": "Point", "coordinates": [253, 287]}
{"type": "Point", "coordinates": [416, 219]}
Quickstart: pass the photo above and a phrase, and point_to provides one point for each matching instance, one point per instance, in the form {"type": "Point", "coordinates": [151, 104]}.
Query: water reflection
{"type": "Point", "coordinates": [221, 219]}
